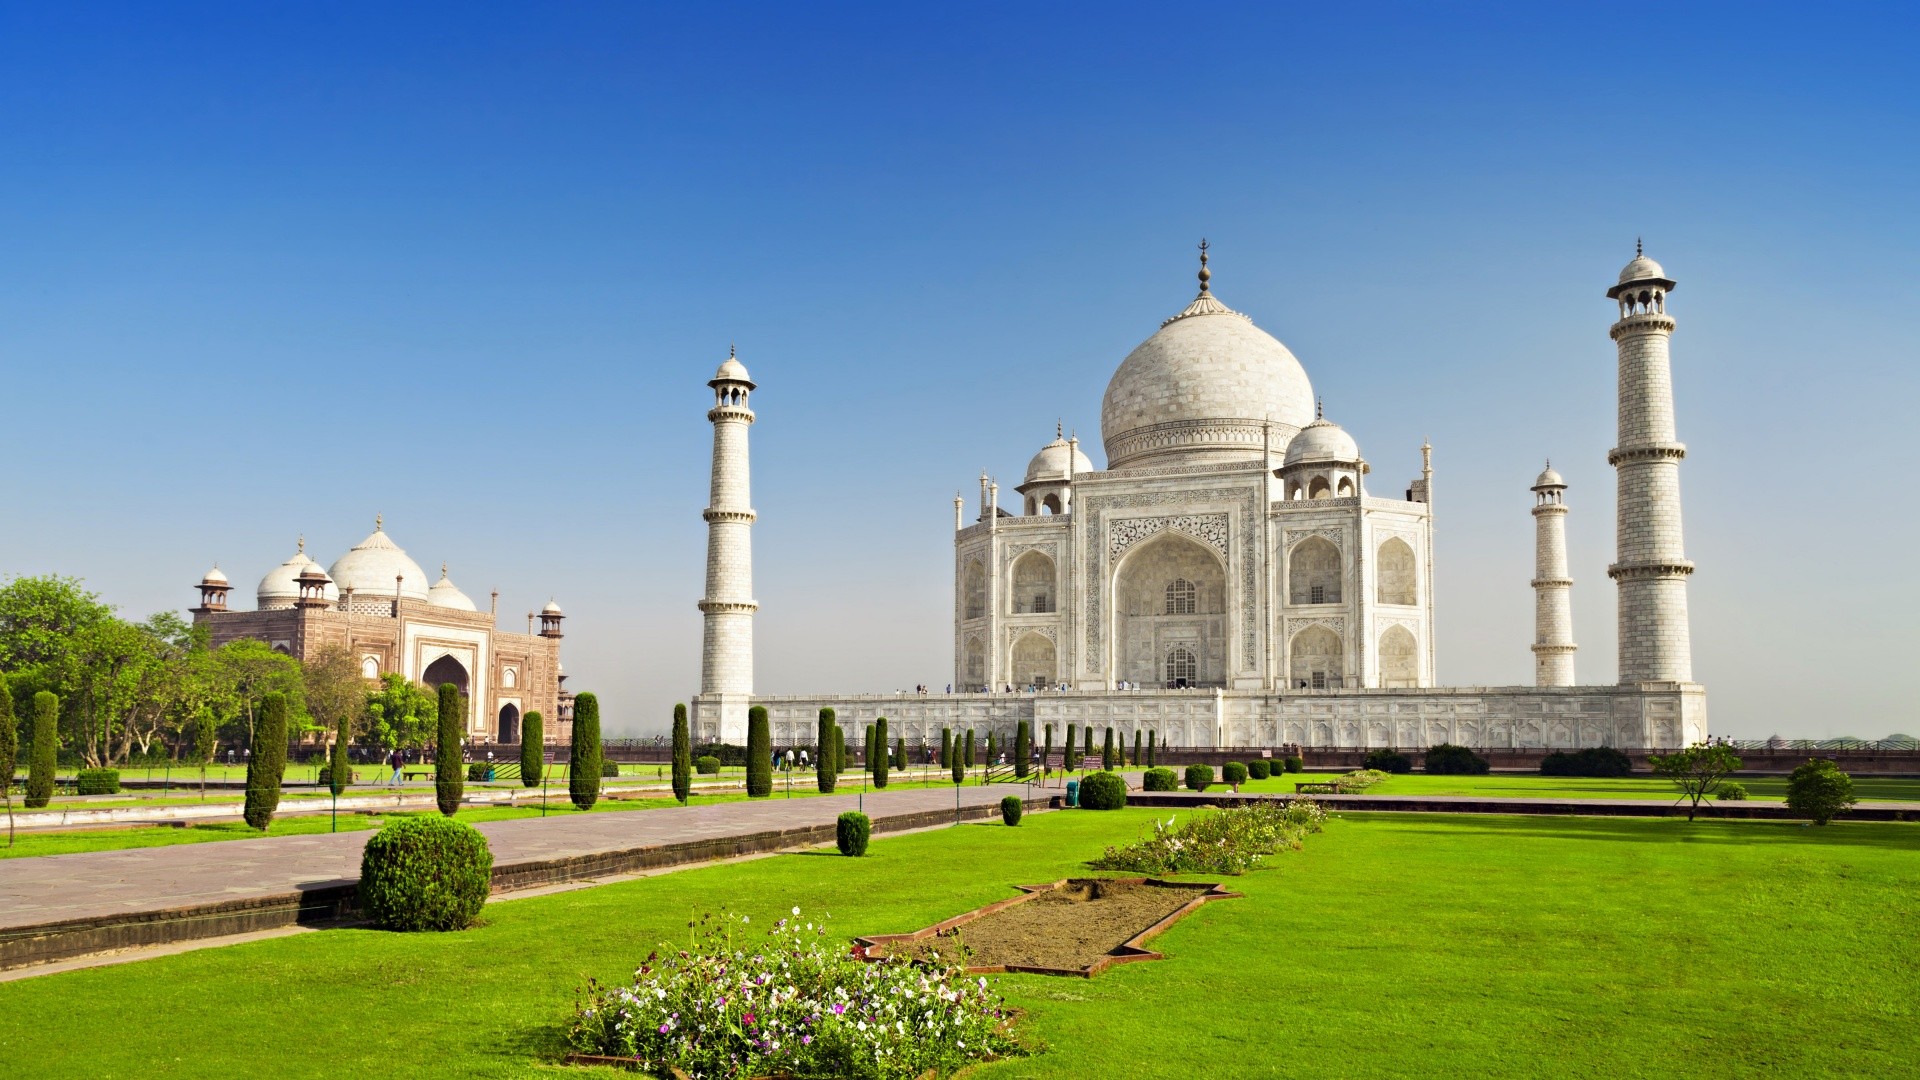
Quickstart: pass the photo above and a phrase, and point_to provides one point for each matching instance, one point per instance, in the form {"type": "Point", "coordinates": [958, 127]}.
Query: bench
{"type": "Point", "coordinates": [419, 774]}
{"type": "Point", "coordinates": [1319, 787]}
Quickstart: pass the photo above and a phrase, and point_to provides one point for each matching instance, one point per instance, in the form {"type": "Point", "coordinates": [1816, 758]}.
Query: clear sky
{"type": "Point", "coordinates": [268, 270]}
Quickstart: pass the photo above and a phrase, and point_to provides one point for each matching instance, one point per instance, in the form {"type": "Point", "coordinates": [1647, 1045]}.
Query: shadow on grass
{"type": "Point", "coordinates": [1706, 830]}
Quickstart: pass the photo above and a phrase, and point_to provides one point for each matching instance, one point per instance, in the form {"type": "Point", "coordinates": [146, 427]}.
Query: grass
{"type": "Point", "coordinates": [1533, 786]}
{"type": "Point", "coordinates": [1393, 946]}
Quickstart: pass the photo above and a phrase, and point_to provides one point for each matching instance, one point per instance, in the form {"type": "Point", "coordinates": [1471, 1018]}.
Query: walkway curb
{"type": "Point", "coordinates": [1425, 804]}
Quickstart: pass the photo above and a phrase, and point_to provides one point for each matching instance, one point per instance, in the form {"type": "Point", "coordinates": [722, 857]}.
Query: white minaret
{"type": "Point", "coordinates": [1553, 645]}
{"type": "Point", "coordinates": [1650, 564]}
{"type": "Point", "coordinates": [726, 652]}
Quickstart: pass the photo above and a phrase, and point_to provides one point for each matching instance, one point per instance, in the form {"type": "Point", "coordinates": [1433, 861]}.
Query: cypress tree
{"type": "Point", "coordinates": [449, 772]}
{"type": "Point", "coordinates": [823, 775]}
{"type": "Point", "coordinates": [839, 750]}
{"type": "Point", "coordinates": [759, 754]}
{"type": "Point", "coordinates": [1047, 755]}
{"type": "Point", "coordinates": [1087, 751]}
{"type": "Point", "coordinates": [266, 763]}
{"type": "Point", "coordinates": [954, 763]}
{"type": "Point", "coordinates": [879, 760]}
{"type": "Point", "coordinates": [1153, 754]}
{"type": "Point", "coordinates": [1136, 748]}
{"type": "Point", "coordinates": [946, 747]}
{"type": "Point", "coordinates": [866, 749]}
{"type": "Point", "coordinates": [900, 753]}
{"type": "Point", "coordinates": [339, 770]}
{"type": "Point", "coordinates": [583, 757]}
{"type": "Point", "coordinates": [989, 757]}
{"type": "Point", "coordinates": [1072, 731]}
{"type": "Point", "coordinates": [682, 754]}
{"type": "Point", "coordinates": [968, 753]}
{"type": "Point", "coordinates": [206, 736]}
{"type": "Point", "coordinates": [1106, 752]}
{"type": "Point", "coordinates": [46, 745]}
{"type": "Point", "coordinates": [9, 753]}
{"type": "Point", "coordinates": [1022, 748]}
{"type": "Point", "coordinates": [533, 749]}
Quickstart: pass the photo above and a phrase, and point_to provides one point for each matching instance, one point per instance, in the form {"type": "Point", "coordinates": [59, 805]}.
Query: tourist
{"type": "Point", "coordinates": [397, 759]}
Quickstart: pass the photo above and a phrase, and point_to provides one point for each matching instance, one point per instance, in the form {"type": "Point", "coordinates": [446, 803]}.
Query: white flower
{"type": "Point", "coordinates": [796, 909]}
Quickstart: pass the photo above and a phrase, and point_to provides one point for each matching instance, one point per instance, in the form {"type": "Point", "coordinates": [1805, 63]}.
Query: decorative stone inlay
{"type": "Point", "coordinates": [1209, 529]}
{"type": "Point", "coordinates": [1095, 508]}
{"type": "Point", "coordinates": [1334, 533]}
{"type": "Point", "coordinates": [1335, 623]}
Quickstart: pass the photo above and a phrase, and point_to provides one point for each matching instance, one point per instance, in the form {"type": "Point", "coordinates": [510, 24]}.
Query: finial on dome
{"type": "Point", "coordinates": [379, 522]}
{"type": "Point", "coordinates": [1319, 408]}
{"type": "Point", "coordinates": [731, 355]}
{"type": "Point", "coordinates": [303, 543]}
{"type": "Point", "coordinates": [1637, 250]}
{"type": "Point", "coordinates": [1059, 430]}
{"type": "Point", "coordinates": [1206, 275]}
{"type": "Point", "coordinates": [443, 569]}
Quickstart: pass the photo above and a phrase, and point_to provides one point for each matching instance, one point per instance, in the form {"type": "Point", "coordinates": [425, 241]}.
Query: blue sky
{"type": "Point", "coordinates": [270, 270]}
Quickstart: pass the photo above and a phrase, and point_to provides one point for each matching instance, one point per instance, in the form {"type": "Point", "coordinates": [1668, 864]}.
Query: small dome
{"type": "Point", "coordinates": [731, 370]}
{"type": "Point", "coordinates": [214, 577]}
{"type": "Point", "coordinates": [551, 609]}
{"type": "Point", "coordinates": [1051, 463]}
{"type": "Point", "coordinates": [448, 595]}
{"type": "Point", "coordinates": [1642, 269]}
{"type": "Point", "coordinates": [1322, 441]}
{"type": "Point", "coordinates": [1549, 478]}
{"type": "Point", "coordinates": [372, 564]}
{"type": "Point", "coordinates": [281, 587]}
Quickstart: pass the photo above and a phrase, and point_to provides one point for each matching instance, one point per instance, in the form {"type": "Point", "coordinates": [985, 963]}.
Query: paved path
{"type": "Point", "coordinates": [104, 884]}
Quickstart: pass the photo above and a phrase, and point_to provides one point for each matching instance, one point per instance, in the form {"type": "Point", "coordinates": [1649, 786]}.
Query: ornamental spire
{"type": "Point", "coordinates": [1206, 275]}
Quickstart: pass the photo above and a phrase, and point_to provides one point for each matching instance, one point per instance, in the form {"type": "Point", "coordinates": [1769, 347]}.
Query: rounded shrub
{"type": "Point", "coordinates": [1446, 759]}
{"type": "Point", "coordinates": [1199, 777]}
{"type": "Point", "coordinates": [1259, 768]}
{"type": "Point", "coordinates": [707, 765]}
{"type": "Point", "coordinates": [1731, 791]}
{"type": "Point", "coordinates": [1234, 773]}
{"type": "Point", "coordinates": [1011, 808]}
{"type": "Point", "coordinates": [609, 768]}
{"type": "Point", "coordinates": [1160, 779]}
{"type": "Point", "coordinates": [478, 771]}
{"type": "Point", "coordinates": [1389, 761]}
{"type": "Point", "coordinates": [1819, 790]}
{"type": "Point", "coordinates": [98, 782]}
{"type": "Point", "coordinates": [1296, 764]}
{"type": "Point", "coordinates": [1593, 761]}
{"type": "Point", "coordinates": [1103, 791]}
{"type": "Point", "coordinates": [425, 873]}
{"type": "Point", "coordinates": [851, 833]}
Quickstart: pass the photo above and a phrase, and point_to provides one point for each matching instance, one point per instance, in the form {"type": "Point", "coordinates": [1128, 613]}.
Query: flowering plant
{"type": "Point", "coordinates": [794, 1002]}
{"type": "Point", "coordinates": [1229, 841]}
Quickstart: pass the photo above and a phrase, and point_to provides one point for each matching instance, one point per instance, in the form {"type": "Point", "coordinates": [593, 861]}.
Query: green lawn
{"type": "Point", "coordinates": [1532, 786]}
{"type": "Point", "coordinates": [1393, 946]}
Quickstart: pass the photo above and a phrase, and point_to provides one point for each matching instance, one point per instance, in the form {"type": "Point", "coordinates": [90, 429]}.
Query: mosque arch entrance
{"type": "Point", "coordinates": [448, 670]}
{"type": "Point", "coordinates": [1170, 593]}
{"type": "Point", "coordinates": [508, 730]}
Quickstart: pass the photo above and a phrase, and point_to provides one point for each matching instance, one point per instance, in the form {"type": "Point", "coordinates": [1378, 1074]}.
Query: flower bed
{"type": "Point", "coordinates": [1228, 841]}
{"type": "Point", "coordinates": [793, 1003]}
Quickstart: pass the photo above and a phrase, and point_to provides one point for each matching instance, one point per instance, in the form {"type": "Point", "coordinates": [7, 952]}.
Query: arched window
{"type": "Point", "coordinates": [1397, 576]}
{"type": "Point", "coordinates": [1182, 668]}
{"type": "Point", "coordinates": [1346, 487]}
{"type": "Point", "coordinates": [369, 667]}
{"type": "Point", "coordinates": [973, 583]}
{"type": "Point", "coordinates": [1317, 488]}
{"type": "Point", "coordinates": [973, 663]}
{"type": "Point", "coordinates": [1180, 597]}
{"type": "Point", "coordinates": [1315, 659]}
{"type": "Point", "coordinates": [1033, 661]}
{"type": "Point", "coordinates": [1314, 572]}
{"type": "Point", "coordinates": [1051, 504]}
{"type": "Point", "coordinates": [1033, 576]}
{"type": "Point", "coordinates": [509, 677]}
{"type": "Point", "coordinates": [1399, 658]}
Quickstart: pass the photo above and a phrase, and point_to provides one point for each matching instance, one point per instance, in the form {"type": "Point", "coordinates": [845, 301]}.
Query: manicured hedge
{"type": "Point", "coordinates": [451, 724]}
{"type": "Point", "coordinates": [1234, 773]}
{"type": "Point", "coordinates": [1447, 759]}
{"type": "Point", "coordinates": [759, 753]}
{"type": "Point", "coordinates": [1731, 791]}
{"type": "Point", "coordinates": [533, 749]}
{"type": "Point", "coordinates": [609, 768]}
{"type": "Point", "coordinates": [97, 782]}
{"type": "Point", "coordinates": [268, 761]}
{"type": "Point", "coordinates": [707, 766]}
{"type": "Point", "coordinates": [879, 752]}
{"type": "Point", "coordinates": [583, 770]}
{"type": "Point", "coordinates": [1389, 761]}
{"type": "Point", "coordinates": [1199, 777]}
{"type": "Point", "coordinates": [1103, 791]}
{"type": "Point", "coordinates": [478, 771]}
{"type": "Point", "coordinates": [1295, 764]}
{"type": "Point", "coordinates": [1259, 768]}
{"type": "Point", "coordinates": [851, 833]}
{"type": "Point", "coordinates": [425, 873]}
{"type": "Point", "coordinates": [824, 778]}
{"type": "Point", "coordinates": [1593, 761]}
{"type": "Point", "coordinates": [1011, 808]}
{"type": "Point", "coordinates": [1022, 751]}
{"type": "Point", "coordinates": [1160, 779]}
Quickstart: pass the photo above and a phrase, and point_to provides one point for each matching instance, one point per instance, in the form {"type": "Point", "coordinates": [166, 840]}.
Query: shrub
{"type": "Point", "coordinates": [583, 768]}
{"type": "Point", "coordinates": [1259, 768]}
{"type": "Point", "coordinates": [946, 747]}
{"type": "Point", "coordinates": [98, 782]}
{"type": "Point", "coordinates": [1234, 774]}
{"type": "Point", "coordinates": [1593, 761]}
{"type": "Point", "coordinates": [824, 778]}
{"type": "Point", "coordinates": [609, 768]}
{"type": "Point", "coordinates": [339, 769]}
{"type": "Point", "coordinates": [1359, 780]}
{"type": "Point", "coordinates": [759, 753]}
{"type": "Point", "coordinates": [1106, 752]}
{"type": "Point", "coordinates": [966, 755]}
{"type": "Point", "coordinates": [478, 771]}
{"type": "Point", "coordinates": [1389, 761]}
{"type": "Point", "coordinates": [1295, 764]}
{"type": "Point", "coordinates": [707, 766]}
{"type": "Point", "coordinates": [1137, 759]}
{"type": "Point", "coordinates": [1011, 808]}
{"type": "Point", "coordinates": [1447, 759]}
{"type": "Point", "coordinates": [959, 766]}
{"type": "Point", "coordinates": [1229, 841]}
{"type": "Point", "coordinates": [9, 752]}
{"type": "Point", "coordinates": [447, 785]}
{"type": "Point", "coordinates": [1153, 753]}
{"type": "Point", "coordinates": [267, 762]}
{"type": "Point", "coordinates": [1199, 777]}
{"type": "Point", "coordinates": [1732, 791]}
{"type": "Point", "coordinates": [682, 755]}
{"type": "Point", "coordinates": [1819, 790]}
{"type": "Point", "coordinates": [880, 760]}
{"type": "Point", "coordinates": [851, 833]}
{"type": "Point", "coordinates": [1103, 791]}
{"type": "Point", "coordinates": [1087, 749]}
{"type": "Point", "coordinates": [42, 755]}
{"type": "Point", "coordinates": [425, 873]}
{"type": "Point", "coordinates": [1159, 780]}
{"type": "Point", "coordinates": [1073, 732]}
{"type": "Point", "coordinates": [1022, 749]}
{"type": "Point", "coordinates": [533, 749]}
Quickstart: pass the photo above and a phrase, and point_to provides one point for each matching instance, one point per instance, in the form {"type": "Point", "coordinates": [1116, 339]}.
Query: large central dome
{"type": "Point", "coordinates": [1199, 391]}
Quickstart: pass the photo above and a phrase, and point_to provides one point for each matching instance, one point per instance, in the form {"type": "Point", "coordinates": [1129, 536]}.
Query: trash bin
{"type": "Point", "coordinates": [1073, 793]}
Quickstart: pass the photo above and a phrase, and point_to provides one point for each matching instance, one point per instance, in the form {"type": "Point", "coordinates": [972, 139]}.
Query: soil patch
{"type": "Point", "coordinates": [1073, 927]}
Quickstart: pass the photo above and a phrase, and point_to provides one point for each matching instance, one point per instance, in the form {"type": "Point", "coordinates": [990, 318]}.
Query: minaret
{"type": "Point", "coordinates": [1650, 564]}
{"type": "Point", "coordinates": [726, 653]}
{"type": "Point", "coordinates": [1553, 645]}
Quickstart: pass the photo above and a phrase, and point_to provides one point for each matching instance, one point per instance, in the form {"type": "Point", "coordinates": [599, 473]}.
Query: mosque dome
{"type": "Point", "coordinates": [372, 564]}
{"type": "Point", "coordinates": [1549, 478]}
{"type": "Point", "coordinates": [1201, 389]}
{"type": "Point", "coordinates": [551, 609]}
{"type": "Point", "coordinates": [214, 577]}
{"type": "Point", "coordinates": [1053, 460]}
{"type": "Point", "coordinates": [281, 587]}
{"type": "Point", "coordinates": [1322, 441]}
{"type": "Point", "coordinates": [448, 595]}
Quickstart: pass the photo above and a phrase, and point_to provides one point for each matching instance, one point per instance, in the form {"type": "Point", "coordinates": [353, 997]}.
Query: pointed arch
{"type": "Point", "coordinates": [973, 589]}
{"type": "Point", "coordinates": [1314, 572]}
{"type": "Point", "coordinates": [1170, 590]}
{"type": "Point", "coordinates": [1034, 575]}
{"type": "Point", "coordinates": [1399, 658]}
{"type": "Point", "coordinates": [1397, 574]}
{"type": "Point", "coordinates": [1033, 661]}
{"type": "Point", "coordinates": [1315, 658]}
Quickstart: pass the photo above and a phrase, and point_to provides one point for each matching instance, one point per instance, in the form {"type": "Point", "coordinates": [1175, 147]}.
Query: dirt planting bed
{"type": "Point", "coordinates": [1079, 926]}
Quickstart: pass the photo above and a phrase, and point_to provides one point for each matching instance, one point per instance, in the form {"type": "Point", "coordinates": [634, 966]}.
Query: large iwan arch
{"type": "Point", "coordinates": [1170, 592]}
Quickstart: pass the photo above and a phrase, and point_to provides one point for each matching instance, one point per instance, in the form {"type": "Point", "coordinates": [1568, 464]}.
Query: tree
{"type": "Point", "coordinates": [401, 713]}
{"type": "Point", "coordinates": [759, 754]}
{"type": "Point", "coordinates": [583, 762]}
{"type": "Point", "coordinates": [946, 747]}
{"type": "Point", "coordinates": [206, 741]}
{"type": "Point", "coordinates": [336, 695]}
{"type": "Point", "coordinates": [9, 753]}
{"type": "Point", "coordinates": [1046, 755]}
{"type": "Point", "coordinates": [46, 746]}
{"type": "Point", "coordinates": [339, 770]}
{"type": "Point", "coordinates": [1087, 750]}
{"type": "Point", "coordinates": [1022, 748]}
{"type": "Point", "coordinates": [839, 750]}
{"type": "Point", "coordinates": [682, 755]}
{"type": "Point", "coordinates": [39, 617]}
{"type": "Point", "coordinates": [900, 753]}
{"type": "Point", "coordinates": [449, 770]}
{"type": "Point", "coordinates": [866, 748]}
{"type": "Point", "coordinates": [989, 758]}
{"type": "Point", "coordinates": [956, 763]}
{"type": "Point", "coordinates": [967, 754]}
{"type": "Point", "coordinates": [1153, 755]}
{"type": "Point", "coordinates": [1072, 731]}
{"type": "Point", "coordinates": [824, 778]}
{"type": "Point", "coordinates": [1137, 759]}
{"type": "Point", "coordinates": [245, 671]}
{"type": "Point", "coordinates": [1697, 771]}
{"type": "Point", "coordinates": [267, 762]}
{"type": "Point", "coordinates": [879, 760]}
{"type": "Point", "coordinates": [1819, 790]}
{"type": "Point", "coordinates": [533, 749]}
{"type": "Point", "coordinates": [1106, 752]}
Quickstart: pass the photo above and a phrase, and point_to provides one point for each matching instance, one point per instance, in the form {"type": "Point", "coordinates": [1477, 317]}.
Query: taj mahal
{"type": "Point", "coordinates": [1235, 576]}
